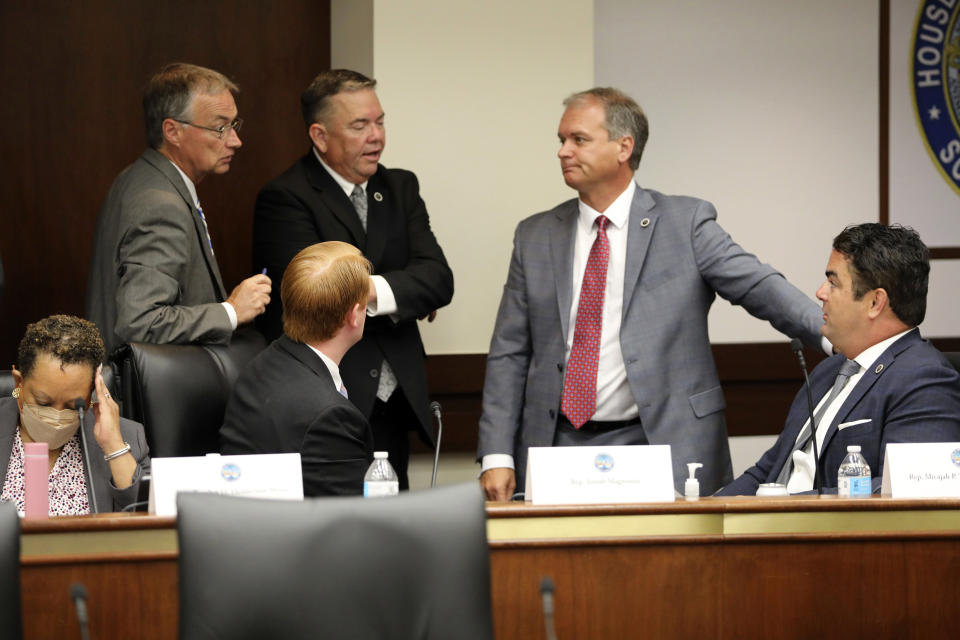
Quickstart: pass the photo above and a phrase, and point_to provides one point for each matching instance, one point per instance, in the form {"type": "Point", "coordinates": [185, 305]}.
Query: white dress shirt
{"type": "Point", "coordinates": [331, 367]}
{"type": "Point", "coordinates": [801, 479]}
{"type": "Point", "coordinates": [614, 399]}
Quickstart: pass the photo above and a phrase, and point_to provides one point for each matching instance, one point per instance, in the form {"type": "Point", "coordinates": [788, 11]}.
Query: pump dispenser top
{"type": "Point", "coordinates": [691, 489]}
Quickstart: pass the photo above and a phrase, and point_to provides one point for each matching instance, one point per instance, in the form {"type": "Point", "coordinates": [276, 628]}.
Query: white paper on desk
{"type": "Point", "coordinates": [275, 476]}
{"type": "Point", "coordinates": [922, 470]}
{"type": "Point", "coordinates": [599, 475]}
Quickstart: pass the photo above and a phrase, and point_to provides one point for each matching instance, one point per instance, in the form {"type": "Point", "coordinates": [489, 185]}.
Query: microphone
{"type": "Point", "coordinates": [546, 600]}
{"type": "Point", "coordinates": [79, 406]}
{"type": "Point", "coordinates": [78, 593]}
{"type": "Point", "coordinates": [435, 409]}
{"type": "Point", "coordinates": [797, 347]}
{"type": "Point", "coordinates": [133, 506]}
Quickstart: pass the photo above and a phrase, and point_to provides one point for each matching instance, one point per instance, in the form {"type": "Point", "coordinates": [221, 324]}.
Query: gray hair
{"type": "Point", "coordinates": [624, 117]}
{"type": "Point", "coordinates": [169, 94]}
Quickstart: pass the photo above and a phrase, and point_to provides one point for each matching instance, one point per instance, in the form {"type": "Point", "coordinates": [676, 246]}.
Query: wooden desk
{"type": "Point", "coordinates": [799, 567]}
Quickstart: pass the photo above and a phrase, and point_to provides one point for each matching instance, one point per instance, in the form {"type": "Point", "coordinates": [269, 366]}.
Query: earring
{"type": "Point", "coordinates": [16, 392]}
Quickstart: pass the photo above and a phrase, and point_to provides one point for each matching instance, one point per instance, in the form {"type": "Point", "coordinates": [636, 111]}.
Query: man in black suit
{"type": "Point", "coordinates": [339, 191]}
{"type": "Point", "coordinates": [291, 397]}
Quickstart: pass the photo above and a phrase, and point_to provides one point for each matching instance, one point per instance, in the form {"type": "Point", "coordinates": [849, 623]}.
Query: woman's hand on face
{"type": "Point", "coordinates": [107, 413]}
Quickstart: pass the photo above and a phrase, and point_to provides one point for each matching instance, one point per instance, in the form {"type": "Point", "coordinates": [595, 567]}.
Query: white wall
{"type": "Point", "coordinates": [767, 108]}
{"type": "Point", "coordinates": [472, 92]}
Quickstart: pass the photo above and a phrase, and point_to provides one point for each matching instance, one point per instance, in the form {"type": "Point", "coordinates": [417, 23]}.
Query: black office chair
{"type": "Point", "coordinates": [179, 392]}
{"type": "Point", "coordinates": [11, 623]}
{"type": "Point", "coordinates": [7, 383]}
{"type": "Point", "coordinates": [954, 358]}
{"type": "Point", "coordinates": [411, 566]}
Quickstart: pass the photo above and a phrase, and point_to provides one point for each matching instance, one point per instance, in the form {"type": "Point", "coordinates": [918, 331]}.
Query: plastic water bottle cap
{"type": "Point", "coordinates": [853, 448]}
{"type": "Point", "coordinates": [382, 455]}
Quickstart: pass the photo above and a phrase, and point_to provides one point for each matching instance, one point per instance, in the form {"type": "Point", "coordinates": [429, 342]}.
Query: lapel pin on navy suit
{"type": "Point", "coordinates": [377, 196]}
{"type": "Point", "coordinates": [879, 368]}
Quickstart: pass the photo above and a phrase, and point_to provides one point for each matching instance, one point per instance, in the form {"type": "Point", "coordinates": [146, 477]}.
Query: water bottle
{"type": "Point", "coordinates": [381, 479]}
{"type": "Point", "coordinates": [853, 477]}
{"type": "Point", "coordinates": [36, 480]}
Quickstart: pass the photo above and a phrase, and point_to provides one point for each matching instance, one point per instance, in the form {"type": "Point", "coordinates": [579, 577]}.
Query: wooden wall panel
{"type": "Point", "coordinates": [125, 598]}
{"type": "Point", "coordinates": [759, 382]}
{"type": "Point", "coordinates": [71, 76]}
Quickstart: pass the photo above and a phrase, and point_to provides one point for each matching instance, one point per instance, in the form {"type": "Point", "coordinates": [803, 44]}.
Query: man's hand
{"type": "Point", "coordinates": [250, 298]}
{"type": "Point", "coordinates": [498, 483]}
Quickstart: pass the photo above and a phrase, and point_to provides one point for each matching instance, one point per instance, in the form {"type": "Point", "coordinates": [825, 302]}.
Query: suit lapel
{"type": "Point", "coordinates": [638, 241]}
{"type": "Point", "coordinates": [164, 166]}
{"type": "Point", "coordinates": [378, 213]}
{"type": "Point", "coordinates": [867, 380]}
{"type": "Point", "coordinates": [562, 236]}
{"type": "Point", "coordinates": [305, 354]}
{"type": "Point", "coordinates": [208, 255]}
{"type": "Point", "coordinates": [334, 199]}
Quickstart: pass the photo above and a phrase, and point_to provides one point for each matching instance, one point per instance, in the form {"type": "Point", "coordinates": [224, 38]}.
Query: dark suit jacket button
{"type": "Point", "coordinates": [374, 373]}
{"type": "Point", "coordinates": [553, 414]}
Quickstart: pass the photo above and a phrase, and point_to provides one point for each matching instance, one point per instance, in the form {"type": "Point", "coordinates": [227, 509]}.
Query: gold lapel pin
{"type": "Point", "coordinates": [377, 196]}
{"type": "Point", "coordinates": [878, 369]}
{"type": "Point", "coordinates": [645, 223]}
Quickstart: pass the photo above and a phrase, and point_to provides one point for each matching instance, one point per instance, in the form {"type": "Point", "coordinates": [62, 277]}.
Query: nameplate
{"type": "Point", "coordinates": [922, 470]}
{"type": "Point", "coordinates": [599, 475]}
{"type": "Point", "coordinates": [275, 476]}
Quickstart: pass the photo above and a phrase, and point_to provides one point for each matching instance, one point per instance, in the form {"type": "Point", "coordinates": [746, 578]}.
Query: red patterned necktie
{"type": "Point", "coordinates": [580, 380]}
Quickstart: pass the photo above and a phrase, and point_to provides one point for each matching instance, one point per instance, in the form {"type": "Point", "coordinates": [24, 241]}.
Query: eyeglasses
{"type": "Point", "coordinates": [220, 131]}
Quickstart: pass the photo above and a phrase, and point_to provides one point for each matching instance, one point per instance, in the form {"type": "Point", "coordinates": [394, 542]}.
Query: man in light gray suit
{"type": "Point", "coordinates": [601, 337]}
{"type": "Point", "coordinates": [154, 275]}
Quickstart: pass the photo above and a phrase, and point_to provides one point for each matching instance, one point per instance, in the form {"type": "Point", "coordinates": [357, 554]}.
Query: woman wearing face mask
{"type": "Point", "coordinates": [59, 361]}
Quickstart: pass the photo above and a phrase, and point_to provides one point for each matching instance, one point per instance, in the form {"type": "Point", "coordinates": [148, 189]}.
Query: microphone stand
{"type": "Point", "coordinates": [546, 604]}
{"type": "Point", "coordinates": [797, 347]}
{"type": "Point", "coordinates": [435, 408]}
{"type": "Point", "coordinates": [78, 404]}
{"type": "Point", "coordinates": [78, 593]}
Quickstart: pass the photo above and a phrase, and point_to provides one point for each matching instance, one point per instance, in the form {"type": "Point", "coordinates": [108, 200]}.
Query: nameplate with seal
{"type": "Point", "coordinates": [274, 476]}
{"type": "Point", "coordinates": [921, 470]}
{"type": "Point", "coordinates": [599, 475]}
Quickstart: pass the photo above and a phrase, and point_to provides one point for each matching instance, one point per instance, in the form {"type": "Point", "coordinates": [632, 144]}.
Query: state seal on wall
{"type": "Point", "coordinates": [935, 83]}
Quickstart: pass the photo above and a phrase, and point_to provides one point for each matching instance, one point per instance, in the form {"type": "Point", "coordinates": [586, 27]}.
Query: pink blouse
{"type": "Point", "coordinates": [68, 486]}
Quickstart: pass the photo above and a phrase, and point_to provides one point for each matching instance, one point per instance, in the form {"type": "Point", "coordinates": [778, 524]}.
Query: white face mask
{"type": "Point", "coordinates": [46, 424]}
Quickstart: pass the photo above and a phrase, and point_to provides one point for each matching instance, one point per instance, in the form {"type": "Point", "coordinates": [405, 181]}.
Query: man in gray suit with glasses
{"type": "Point", "coordinates": [601, 337]}
{"type": "Point", "coordinates": [154, 275]}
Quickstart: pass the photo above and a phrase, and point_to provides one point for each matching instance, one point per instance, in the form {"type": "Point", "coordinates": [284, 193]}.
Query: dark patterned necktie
{"type": "Point", "coordinates": [359, 200]}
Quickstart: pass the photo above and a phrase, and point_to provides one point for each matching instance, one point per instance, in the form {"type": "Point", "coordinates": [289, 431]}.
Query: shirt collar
{"type": "Point", "coordinates": [870, 354]}
{"type": "Point", "coordinates": [617, 213]}
{"type": "Point", "coordinates": [331, 366]}
{"type": "Point", "coordinates": [345, 184]}
{"type": "Point", "coordinates": [190, 186]}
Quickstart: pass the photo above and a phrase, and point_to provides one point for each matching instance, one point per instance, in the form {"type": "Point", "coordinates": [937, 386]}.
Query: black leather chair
{"type": "Point", "coordinates": [412, 566]}
{"type": "Point", "coordinates": [11, 622]}
{"type": "Point", "coordinates": [954, 358]}
{"type": "Point", "coordinates": [179, 392]}
{"type": "Point", "coordinates": [7, 383]}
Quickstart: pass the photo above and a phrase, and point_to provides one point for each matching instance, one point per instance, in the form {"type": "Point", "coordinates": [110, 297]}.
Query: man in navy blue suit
{"type": "Point", "coordinates": [891, 385]}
